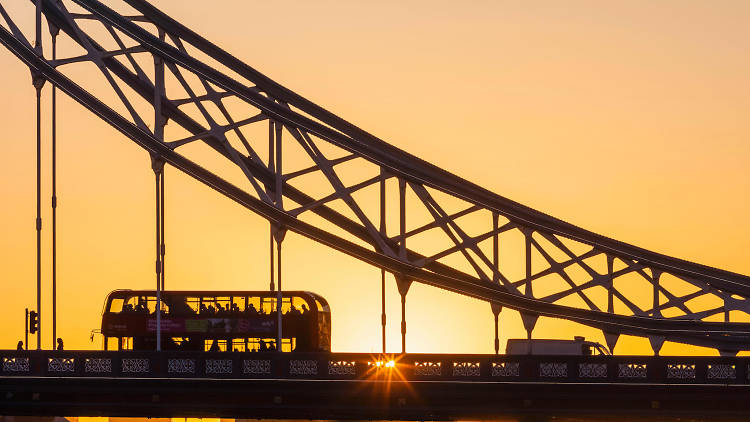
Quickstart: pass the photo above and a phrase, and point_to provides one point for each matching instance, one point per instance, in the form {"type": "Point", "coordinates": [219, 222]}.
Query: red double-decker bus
{"type": "Point", "coordinates": [241, 321]}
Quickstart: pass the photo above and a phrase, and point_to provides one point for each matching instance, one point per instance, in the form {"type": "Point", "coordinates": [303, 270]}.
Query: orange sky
{"type": "Point", "coordinates": [627, 118]}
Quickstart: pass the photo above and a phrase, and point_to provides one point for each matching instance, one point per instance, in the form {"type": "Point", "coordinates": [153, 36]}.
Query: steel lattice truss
{"type": "Point", "coordinates": [342, 183]}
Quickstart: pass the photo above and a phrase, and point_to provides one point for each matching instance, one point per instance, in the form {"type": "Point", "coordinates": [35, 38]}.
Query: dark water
{"type": "Point", "coordinates": [528, 418]}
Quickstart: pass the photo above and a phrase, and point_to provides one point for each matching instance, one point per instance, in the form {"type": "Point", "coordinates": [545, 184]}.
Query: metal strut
{"type": "Point", "coordinates": [279, 332]}
{"type": "Point", "coordinates": [271, 286]}
{"type": "Point", "coordinates": [162, 249]}
{"type": "Point", "coordinates": [26, 330]}
{"type": "Point", "coordinates": [403, 323]}
{"type": "Point", "coordinates": [496, 308]}
{"type": "Point", "coordinates": [496, 313]}
{"type": "Point", "coordinates": [277, 231]}
{"type": "Point", "coordinates": [38, 82]}
{"type": "Point", "coordinates": [54, 31]}
{"type": "Point", "coordinates": [158, 167]}
{"type": "Point", "coordinates": [382, 300]}
{"type": "Point", "coordinates": [38, 215]}
{"type": "Point", "coordinates": [402, 283]}
{"type": "Point", "coordinates": [382, 271]}
{"type": "Point", "coordinates": [272, 169]}
{"type": "Point", "coordinates": [159, 123]}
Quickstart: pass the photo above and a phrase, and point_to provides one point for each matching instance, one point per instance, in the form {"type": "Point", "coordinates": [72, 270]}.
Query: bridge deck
{"type": "Point", "coordinates": [336, 386]}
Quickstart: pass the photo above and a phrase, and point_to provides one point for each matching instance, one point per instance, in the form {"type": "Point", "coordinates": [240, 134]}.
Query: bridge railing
{"type": "Point", "coordinates": [410, 367]}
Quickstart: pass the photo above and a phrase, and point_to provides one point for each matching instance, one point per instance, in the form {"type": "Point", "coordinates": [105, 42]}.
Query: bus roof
{"type": "Point", "coordinates": [214, 293]}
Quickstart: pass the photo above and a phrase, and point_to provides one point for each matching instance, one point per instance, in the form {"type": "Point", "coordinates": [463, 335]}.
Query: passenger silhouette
{"type": "Point", "coordinates": [214, 347]}
{"type": "Point", "coordinates": [263, 346]}
{"type": "Point", "coordinates": [19, 346]}
{"type": "Point", "coordinates": [178, 306]}
{"type": "Point", "coordinates": [59, 344]}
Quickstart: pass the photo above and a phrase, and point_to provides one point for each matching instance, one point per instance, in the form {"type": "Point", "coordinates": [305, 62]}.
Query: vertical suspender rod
{"type": "Point", "coordinates": [157, 174]}
{"type": "Point", "coordinates": [159, 122]}
{"type": "Point", "coordinates": [382, 271]}
{"type": "Point", "coordinates": [158, 167]}
{"type": "Point", "coordinates": [26, 330]}
{"type": "Point", "coordinates": [496, 277]}
{"type": "Point", "coordinates": [39, 215]}
{"type": "Point", "coordinates": [272, 169]}
{"type": "Point", "coordinates": [54, 31]}
{"type": "Point", "coordinates": [279, 237]}
{"type": "Point", "coordinates": [162, 249]}
{"type": "Point", "coordinates": [38, 83]}
{"type": "Point", "coordinates": [400, 282]}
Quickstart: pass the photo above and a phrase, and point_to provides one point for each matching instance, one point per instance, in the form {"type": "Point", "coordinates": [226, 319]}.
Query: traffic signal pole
{"type": "Point", "coordinates": [38, 82]}
{"type": "Point", "coordinates": [26, 330]}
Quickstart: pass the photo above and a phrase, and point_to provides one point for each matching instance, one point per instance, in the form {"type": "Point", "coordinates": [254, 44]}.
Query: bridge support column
{"type": "Point", "coordinates": [277, 231]}
{"type": "Point", "coordinates": [38, 82]}
{"type": "Point", "coordinates": [54, 31]}
{"type": "Point", "coordinates": [157, 165]}
{"type": "Point", "coordinates": [611, 340]}
{"type": "Point", "coordinates": [656, 343]}
{"type": "Point", "coordinates": [529, 321]}
{"type": "Point", "coordinates": [496, 277]}
{"type": "Point", "coordinates": [403, 285]}
{"type": "Point", "coordinates": [159, 122]}
{"type": "Point", "coordinates": [278, 236]}
{"type": "Point", "coordinates": [272, 169]}
{"type": "Point", "coordinates": [162, 247]}
{"type": "Point", "coordinates": [272, 268]}
{"type": "Point", "coordinates": [496, 312]}
{"type": "Point", "coordinates": [382, 305]}
{"type": "Point", "coordinates": [382, 271]}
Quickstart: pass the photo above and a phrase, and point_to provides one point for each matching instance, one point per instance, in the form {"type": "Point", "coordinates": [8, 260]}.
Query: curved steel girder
{"type": "Point", "coordinates": [258, 170]}
{"type": "Point", "coordinates": [399, 162]}
{"type": "Point", "coordinates": [725, 336]}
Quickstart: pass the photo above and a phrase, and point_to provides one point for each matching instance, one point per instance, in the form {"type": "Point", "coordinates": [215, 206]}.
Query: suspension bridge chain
{"type": "Point", "coordinates": [337, 181]}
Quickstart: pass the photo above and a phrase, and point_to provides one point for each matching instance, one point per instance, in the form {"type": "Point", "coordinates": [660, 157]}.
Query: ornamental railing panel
{"type": "Point", "coordinates": [505, 369]}
{"type": "Point", "coordinates": [256, 367]}
{"type": "Point", "coordinates": [98, 365]}
{"type": "Point", "coordinates": [155, 71]}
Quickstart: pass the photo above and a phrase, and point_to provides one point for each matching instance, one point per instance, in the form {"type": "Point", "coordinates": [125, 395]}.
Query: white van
{"type": "Point", "coordinates": [576, 347]}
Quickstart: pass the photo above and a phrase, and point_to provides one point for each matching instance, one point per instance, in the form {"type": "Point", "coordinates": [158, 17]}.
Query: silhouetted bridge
{"type": "Point", "coordinates": [364, 386]}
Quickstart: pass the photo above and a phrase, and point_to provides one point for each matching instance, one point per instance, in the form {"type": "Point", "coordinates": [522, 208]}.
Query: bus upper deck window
{"type": "Point", "coordinates": [321, 306]}
{"type": "Point", "coordinates": [193, 302]}
{"type": "Point", "coordinates": [286, 304]}
{"type": "Point", "coordinates": [116, 305]}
